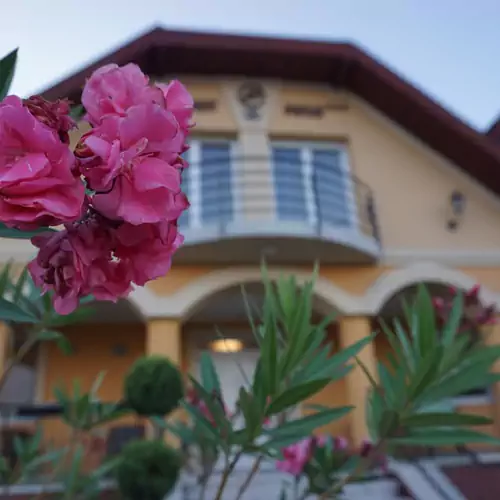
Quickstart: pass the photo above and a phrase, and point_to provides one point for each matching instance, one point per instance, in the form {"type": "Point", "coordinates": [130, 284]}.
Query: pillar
{"type": "Point", "coordinates": [4, 346]}
{"type": "Point", "coordinates": [352, 330]}
{"type": "Point", "coordinates": [163, 337]}
{"type": "Point", "coordinates": [491, 336]}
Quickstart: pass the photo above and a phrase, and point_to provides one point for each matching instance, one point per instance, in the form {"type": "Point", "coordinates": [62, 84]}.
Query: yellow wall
{"type": "Point", "coordinates": [93, 353]}
{"type": "Point", "coordinates": [412, 184]}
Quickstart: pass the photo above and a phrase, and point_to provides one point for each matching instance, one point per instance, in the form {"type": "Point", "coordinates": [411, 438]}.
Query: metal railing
{"type": "Point", "coordinates": [229, 190]}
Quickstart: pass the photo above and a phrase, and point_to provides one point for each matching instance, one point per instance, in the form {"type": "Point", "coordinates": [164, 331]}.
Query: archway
{"type": "Point", "coordinates": [477, 399]}
{"type": "Point", "coordinates": [219, 326]}
{"type": "Point", "coordinates": [184, 302]}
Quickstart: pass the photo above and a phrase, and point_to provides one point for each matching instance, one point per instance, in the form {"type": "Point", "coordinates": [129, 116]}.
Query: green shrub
{"type": "Point", "coordinates": [153, 386]}
{"type": "Point", "coordinates": [148, 470]}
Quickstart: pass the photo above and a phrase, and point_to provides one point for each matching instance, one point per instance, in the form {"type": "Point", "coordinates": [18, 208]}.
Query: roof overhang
{"type": "Point", "coordinates": [341, 65]}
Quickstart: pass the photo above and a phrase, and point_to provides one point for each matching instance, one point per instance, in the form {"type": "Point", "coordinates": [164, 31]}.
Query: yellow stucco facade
{"type": "Point", "coordinates": [411, 185]}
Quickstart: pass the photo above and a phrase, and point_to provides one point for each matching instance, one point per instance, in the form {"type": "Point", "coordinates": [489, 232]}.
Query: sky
{"type": "Point", "coordinates": [447, 48]}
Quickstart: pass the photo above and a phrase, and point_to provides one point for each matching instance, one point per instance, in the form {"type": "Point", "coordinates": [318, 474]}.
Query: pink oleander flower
{"type": "Point", "coordinates": [475, 314]}
{"type": "Point", "coordinates": [180, 102]}
{"type": "Point", "coordinates": [340, 443]}
{"type": "Point", "coordinates": [297, 455]}
{"type": "Point", "coordinates": [112, 90]}
{"type": "Point", "coordinates": [37, 186]}
{"type": "Point", "coordinates": [377, 459]}
{"type": "Point", "coordinates": [53, 114]}
{"type": "Point", "coordinates": [77, 262]}
{"type": "Point", "coordinates": [194, 399]}
{"type": "Point", "coordinates": [136, 168]}
{"type": "Point", "coordinates": [147, 249]}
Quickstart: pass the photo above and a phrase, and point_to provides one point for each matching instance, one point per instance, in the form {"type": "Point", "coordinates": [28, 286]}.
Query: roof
{"type": "Point", "coordinates": [342, 65]}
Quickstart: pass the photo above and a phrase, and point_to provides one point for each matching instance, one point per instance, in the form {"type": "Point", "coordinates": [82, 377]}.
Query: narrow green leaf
{"type": "Point", "coordinates": [97, 383]}
{"type": "Point", "coordinates": [7, 69]}
{"type": "Point", "coordinates": [388, 384]}
{"type": "Point", "coordinates": [12, 312]}
{"type": "Point", "coordinates": [459, 383]}
{"type": "Point", "coordinates": [444, 437]}
{"type": "Point", "coordinates": [64, 345]}
{"type": "Point", "coordinates": [374, 411]}
{"type": "Point", "coordinates": [346, 354]}
{"type": "Point", "coordinates": [306, 425]}
{"type": "Point", "coordinates": [209, 377]}
{"type": "Point", "coordinates": [81, 314]}
{"type": "Point", "coordinates": [19, 287]}
{"type": "Point", "coordinates": [7, 232]}
{"type": "Point", "coordinates": [388, 423]}
{"type": "Point", "coordinates": [428, 337]}
{"type": "Point", "coordinates": [213, 406]}
{"type": "Point", "coordinates": [59, 338]}
{"type": "Point", "coordinates": [5, 278]}
{"type": "Point", "coordinates": [269, 354]}
{"type": "Point", "coordinates": [77, 112]}
{"type": "Point", "coordinates": [250, 315]}
{"type": "Point", "coordinates": [426, 373]}
{"type": "Point", "coordinates": [295, 395]}
{"type": "Point", "coordinates": [453, 322]}
{"type": "Point", "coordinates": [408, 353]}
{"type": "Point", "coordinates": [210, 431]}
{"type": "Point", "coordinates": [369, 376]}
{"type": "Point", "coordinates": [444, 420]}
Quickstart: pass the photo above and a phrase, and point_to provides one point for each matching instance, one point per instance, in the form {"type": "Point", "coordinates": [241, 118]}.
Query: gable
{"type": "Point", "coordinates": [413, 184]}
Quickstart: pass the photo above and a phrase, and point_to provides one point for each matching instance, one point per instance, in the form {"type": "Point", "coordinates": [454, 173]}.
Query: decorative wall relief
{"type": "Point", "coordinates": [252, 97]}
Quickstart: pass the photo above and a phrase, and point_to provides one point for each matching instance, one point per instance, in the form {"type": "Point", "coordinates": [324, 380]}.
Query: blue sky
{"type": "Point", "coordinates": [448, 48]}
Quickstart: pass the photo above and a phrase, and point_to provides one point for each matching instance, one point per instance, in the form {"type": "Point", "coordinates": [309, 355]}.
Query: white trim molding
{"type": "Point", "coordinates": [391, 282]}
{"type": "Point", "coordinates": [460, 258]}
{"type": "Point", "coordinates": [187, 299]}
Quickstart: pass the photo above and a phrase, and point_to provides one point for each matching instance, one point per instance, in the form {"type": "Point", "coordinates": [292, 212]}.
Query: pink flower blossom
{"type": "Point", "coordinates": [112, 90]}
{"type": "Point", "coordinates": [54, 115]}
{"type": "Point", "coordinates": [340, 443]}
{"type": "Point", "coordinates": [77, 262]}
{"type": "Point", "coordinates": [297, 455]}
{"type": "Point", "coordinates": [180, 102]}
{"type": "Point", "coordinates": [475, 314]}
{"type": "Point", "coordinates": [37, 186]}
{"type": "Point", "coordinates": [147, 249]}
{"type": "Point", "coordinates": [367, 449]}
{"type": "Point", "coordinates": [194, 400]}
{"type": "Point", "coordinates": [135, 170]}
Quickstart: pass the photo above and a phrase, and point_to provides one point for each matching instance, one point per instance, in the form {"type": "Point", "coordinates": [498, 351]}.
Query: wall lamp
{"type": "Point", "coordinates": [457, 209]}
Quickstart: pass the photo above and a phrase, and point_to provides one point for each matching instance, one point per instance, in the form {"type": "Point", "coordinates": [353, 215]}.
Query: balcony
{"type": "Point", "coordinates": [283, 208]}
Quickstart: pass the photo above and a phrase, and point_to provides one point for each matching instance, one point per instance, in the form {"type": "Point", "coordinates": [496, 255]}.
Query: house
{"type": "Point", "coordinates": [303, 151]}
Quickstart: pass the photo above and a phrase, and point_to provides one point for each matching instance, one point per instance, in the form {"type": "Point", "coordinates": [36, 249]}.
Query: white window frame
{"type": "Point", "coordinates": [193, 171]}
{"type": "Point", "coordinates": [306, 153]}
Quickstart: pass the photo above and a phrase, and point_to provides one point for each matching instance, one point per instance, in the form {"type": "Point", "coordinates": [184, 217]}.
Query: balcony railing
{"type": "Point", "coordinates": [257, 196]}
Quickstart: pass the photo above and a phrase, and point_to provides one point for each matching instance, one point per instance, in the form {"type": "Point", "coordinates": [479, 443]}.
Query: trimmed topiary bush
{"type": "Point", "coordinates": [148, 470]}
{"type": "Point", "coordinates": [153, 386]}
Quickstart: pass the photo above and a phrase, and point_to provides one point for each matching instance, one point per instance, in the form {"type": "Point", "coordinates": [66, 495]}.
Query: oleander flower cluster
{"type": "Point", "coordinates": [475, 314]}
{"type": "Point", "coordinates": [114, 200]}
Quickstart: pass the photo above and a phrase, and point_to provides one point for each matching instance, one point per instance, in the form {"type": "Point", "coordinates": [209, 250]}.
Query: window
{"type": "Point", "coordinates": [208, 183]}
{"type": "Point", "coordinates": [312, 183]}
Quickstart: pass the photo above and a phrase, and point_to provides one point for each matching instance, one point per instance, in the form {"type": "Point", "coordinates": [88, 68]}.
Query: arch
{"type": "Point", "coordinates": [391, 282]}
{"type": "Point", "coordinates": [182, 303]}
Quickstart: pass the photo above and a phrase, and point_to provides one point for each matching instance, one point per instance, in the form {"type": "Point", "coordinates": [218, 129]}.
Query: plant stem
{"type": "Point", "coordinates": [255, 469]}
{"type": "Point", "coordinates": [225, 475]}
{"type": "Point", "coordinates": [19, 356]}
{"type": "Point", "coordinates": [360, 468]}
